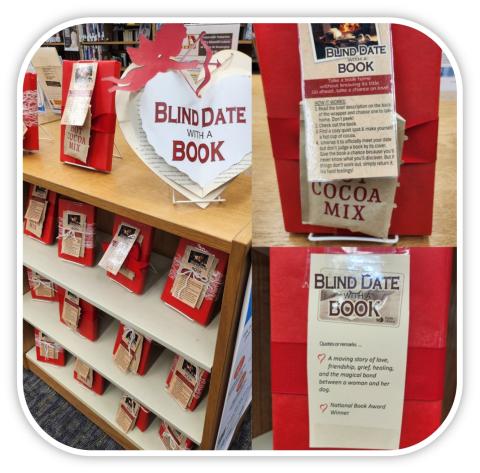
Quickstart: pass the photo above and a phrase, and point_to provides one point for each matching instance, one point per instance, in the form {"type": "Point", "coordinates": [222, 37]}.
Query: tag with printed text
{"type": "Point", "coordinates": [119, 248]}
{"type": "Point", "coordinates": [348, 91]}
{"type": "Point", "coordinates": [358, 318]}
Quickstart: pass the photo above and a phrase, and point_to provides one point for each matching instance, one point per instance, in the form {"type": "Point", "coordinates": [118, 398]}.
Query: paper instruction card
{"type": "Point", "coordinates": [358, 317]}
{"type": "Point", "coordinates": [80, 93]}
{"type": "Point", "coordinates": [348, 90]}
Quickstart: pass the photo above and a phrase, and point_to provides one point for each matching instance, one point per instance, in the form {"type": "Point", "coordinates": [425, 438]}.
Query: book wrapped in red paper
{"type": "Point", "coordinates": [49, 351]}
{"type": "Point", "coordinates": [41, 288]}
{"type": "Point", "coordinates": [186, 383]}
{"type": "Point", "coordinates": [40, 217]}
{"type": "Point", "coordinates": [89, 378]}
{"type": "Point", "coordinates": [131, 351]}
{"type": "Point", "coordinates": [31, 141]}
{"type": "Point", "coordinates": [76, 232]}
{"type": "Point", "coordinates": [78, 314]}
{"type": "Point", "coordinates": [173, 439]}
{"type": "Point", "coordinates": [195, 280]}
{"type": "Point", "coordinates": [98, 141]}
{"type": "Point", "coordinates": [134, 269]}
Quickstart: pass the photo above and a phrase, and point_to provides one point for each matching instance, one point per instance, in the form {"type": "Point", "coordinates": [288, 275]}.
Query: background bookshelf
{"type": "Point", "coordinates": [109, 41]}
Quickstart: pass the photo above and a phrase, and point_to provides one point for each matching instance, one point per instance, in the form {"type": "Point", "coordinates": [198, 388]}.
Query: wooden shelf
{"type": "Point", "coordinates": [134, 191]}
{"type": "Point", "coordinates": [146, 313]}
{"type": "Point", "coordinates": [104, 406]}
{"type": "Point", "coordinates": [148, 390]}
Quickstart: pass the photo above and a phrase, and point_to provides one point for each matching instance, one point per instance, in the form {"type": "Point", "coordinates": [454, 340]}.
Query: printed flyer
{"type": "Point", "coordinates": [358, 318]}
{"type": "Point", "coordinates": [348, 89]}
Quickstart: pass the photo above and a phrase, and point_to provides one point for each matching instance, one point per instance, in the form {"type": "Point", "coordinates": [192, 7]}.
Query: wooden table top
{"type": "Point", "coordinates": [134, 191]}
{"type": "Point", "coordinates": [268, 229]}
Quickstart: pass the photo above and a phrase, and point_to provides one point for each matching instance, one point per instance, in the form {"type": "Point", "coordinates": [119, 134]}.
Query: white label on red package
{"type": "Point", "coordinates": [348, 89]}
{"type": "Point", "coordinates": [41, 286]}
{"type": "Point", "coordinates": [74, 226]}
{"type": "Point", "coordinates": [40, 192]}
{"type": "Point", "coordinates": [358, 317]}
{"type": "Point", "coordinates": [184, 382]}
{"type": "Point", "coordinates": [77, 139]}
{"type": "Point", "coordinates": [127, 413]}
{"type": "Point", "coordinates": [84, 372]}
{"type": "Point", "coordinates": [80, 92]}
{"type": "Point", "coordinates": [71, 310]}
{"type": "Point", "coordinates": [129, 351]}
{"type": "Point", "coordinates": [193, 276]}
{"type": "Point", "coordinates": [119, 248]}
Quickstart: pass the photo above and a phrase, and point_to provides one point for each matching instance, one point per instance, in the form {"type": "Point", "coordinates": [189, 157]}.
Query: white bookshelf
{"type": "Point", "coordinates": [146, 313]}
{"type": "Point", "coordinates": [148, 389]}
{"type": "Point", "coordinates": [105, 406]}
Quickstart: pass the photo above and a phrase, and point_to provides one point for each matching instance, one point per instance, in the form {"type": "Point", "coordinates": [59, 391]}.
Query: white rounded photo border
{"type": "Point", "coordinates": [259, 453]}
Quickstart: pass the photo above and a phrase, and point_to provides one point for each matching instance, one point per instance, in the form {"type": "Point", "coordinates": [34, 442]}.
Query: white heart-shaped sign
{"type": "Point", "coordinates": [200, 136]}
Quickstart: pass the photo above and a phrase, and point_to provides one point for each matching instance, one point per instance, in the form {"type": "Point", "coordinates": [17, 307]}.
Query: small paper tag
{"type": "Point", "coordinates": [128, 273]}
{"type": "Point", "coordinates": [71, 310]}
{"type": "Point", "coordinates": [79, 93]}
{"type": "Point", "coordinates": [358, 317]}
{"type": "Point", "coordinates": [119, 248]}
{"type": "Point", "coordinates": [77, 139]}
{"type": "Point", "coordinates": [31, 225]}
{"type": "Point", "coordinates": [129, 350]}
{"type": "Point", "coordinates": [123, 358]}
{"type": "Point", "coordinates": [73, 234]}
{"type": "Point", "coordinates": [138, 354]}
{"type": "Point", "coordinates": [40, 192]}
{"type": "Point", "coordinates": [183, 382]}
{"type": "Point", "coordinates": [48, 348]}
{"type": "Point", "coordinates": [193, 275]}
{"type": "Point", "coordinates": [127, 413]}
{"type": "Point", "coordinates": [84, 372]}
{"type": "Point", "coordinates": [187, 289]}
{"type": "Point", "coordinates": [171, 438]}
{"type": "Point", "coordinates": [35, 210]}
{"type": "Point", "coordinates": [201, 261]}
{"type": "Point", "coordinates": [43, 287]}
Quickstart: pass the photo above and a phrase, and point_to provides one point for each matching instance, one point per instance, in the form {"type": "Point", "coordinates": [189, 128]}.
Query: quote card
{"type": "Point", "coordinates": [348, 90]}
{"type": "Point", "coordinates": [358, 317]}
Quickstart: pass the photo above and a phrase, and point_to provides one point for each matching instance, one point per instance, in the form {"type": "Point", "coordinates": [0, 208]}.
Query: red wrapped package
{"type": "Point", "coordinates": [40, 217]}
{"type": "Point", "coordinates": [89, 378]}
{"type": "Point", "coordinates": [425, 369]}
{"type": "Point", "coordinates": [131, 414]}
{"type": "Point", "coordinates": [31, 140]}
{"type": "Point", "coordinates": [186, 383]}
{"type": "Point", "coordinates": [76, 232]}
{"type": "Point", "coordinates": [103, 116]}
{"type": "Point", "coordinates": [173, 439]}
{"type": "Point", "coordinates": [79, 315]}
{"type": "Point", "coordinates": [144, 419]}
{"type": "Point", "coordinates": [49, 351]}
{"type": "Point", "coordinates": [134, 270]}
{"type": "Point", "coordinates": [41, 288]}
{"type": "Point", "coordinates": [416, 60]}
{"type": "Point", "coordinates": [134, 354]}
{"type": "Point", "coordinates": [195, 280]}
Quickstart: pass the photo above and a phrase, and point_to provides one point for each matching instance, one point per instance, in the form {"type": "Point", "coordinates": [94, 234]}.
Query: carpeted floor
{"type": "Point", "coordinates": [63, 422]}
